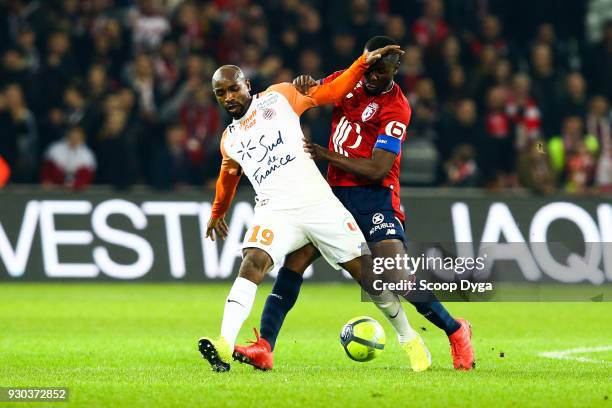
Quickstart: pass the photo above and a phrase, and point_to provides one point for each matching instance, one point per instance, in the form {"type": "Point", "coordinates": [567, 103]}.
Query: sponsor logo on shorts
{"type": "Point", "coordinates": [391, 232]}
{"type": "Point", "coordinates": [384, 225]}
{"type": "Point", "coordinates": [377, 218]}
{"type": "Point", "coordinates": [349, 225]}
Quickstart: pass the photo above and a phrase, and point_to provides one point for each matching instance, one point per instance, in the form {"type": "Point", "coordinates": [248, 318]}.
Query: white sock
{"type": "Point", "coordinates": [392, 308]}
{"type": "Point", "coordinates": [237, 308]}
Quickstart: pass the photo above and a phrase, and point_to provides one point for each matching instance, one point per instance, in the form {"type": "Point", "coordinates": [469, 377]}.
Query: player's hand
{"type": "Point", "coordinates": [219, 226]}
{"type": "Point", "coordinates": [303, 83]}
{"type": "Point", "coordinates": [316, 152]}
{"type": "Point", "coordinates": [373, 56]}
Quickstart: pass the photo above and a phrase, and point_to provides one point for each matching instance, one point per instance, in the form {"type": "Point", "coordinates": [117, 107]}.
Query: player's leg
{"type": "Point", "coordinates": [341, 243]}
{"type": "Point", "coordinates": [266, 242]}
{"type": "Point", "coordinates": [391, 307]}
{"type": "Point", "coordinates": [242, 294]}
{"type": "Point", "coordinates": [284, 294]}
{"type": "Point", "coordinates": [288, 282]}
{"type": "Point", "coordinates": [253, 269]}
{"type": "Point", "coordinates": [427, 304]}
{"type": "Point", "coordinates": [373, 208]}
{"type": "Point", "coordinates": [388, 303]}
{"type": "Point", "coordinates": [287, 286]}
{"type": "Point", "coordinates": [285, 291]}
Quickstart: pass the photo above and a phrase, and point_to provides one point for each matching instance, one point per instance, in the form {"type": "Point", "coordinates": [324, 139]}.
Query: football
{"type": "Point", "coordinates": [362, 338]}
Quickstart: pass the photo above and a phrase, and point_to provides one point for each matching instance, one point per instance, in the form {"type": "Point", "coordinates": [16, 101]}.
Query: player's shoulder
{"type": "Point", "coordinates": [229, 131]}
{"type": "Point", "coordinates": [400, 100]}
{"type": "Point", "coordinates": [283, 88]}
{"type": "Point", "coordinates": [277, 92]}
{"type": "Point", "coordinates": [228, 135]}
{"type": "Point", "coordinates": [396, 103]}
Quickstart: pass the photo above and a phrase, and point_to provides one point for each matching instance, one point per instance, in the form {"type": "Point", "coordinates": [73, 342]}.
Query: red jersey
{"type": "Point", "coordinates": [362, 122]}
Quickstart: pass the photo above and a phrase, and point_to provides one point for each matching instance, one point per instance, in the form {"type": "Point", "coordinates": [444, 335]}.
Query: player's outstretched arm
{"type": "Point", "coordinates": [337, 89]}
{"type": "Point", "coordinates": [374, 169]}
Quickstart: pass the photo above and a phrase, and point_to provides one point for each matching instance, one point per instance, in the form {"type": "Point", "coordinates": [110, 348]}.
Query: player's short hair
{"type": "Point", "coordinates": [379, 41]}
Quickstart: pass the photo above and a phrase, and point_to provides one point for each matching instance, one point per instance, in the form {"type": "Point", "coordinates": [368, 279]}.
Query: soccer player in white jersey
{"type": "Point", "coordinates": [294, 205]}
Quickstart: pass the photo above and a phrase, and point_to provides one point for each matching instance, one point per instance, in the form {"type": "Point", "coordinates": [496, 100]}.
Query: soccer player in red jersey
{"type": "Point", "coordinates": [368, 129]}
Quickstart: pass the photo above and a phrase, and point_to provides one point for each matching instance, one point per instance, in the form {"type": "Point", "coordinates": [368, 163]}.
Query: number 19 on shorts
{"type": "Point", "coordinates": [263, 236]}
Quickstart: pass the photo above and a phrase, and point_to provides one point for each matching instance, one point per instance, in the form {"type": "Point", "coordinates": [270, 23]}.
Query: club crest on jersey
{"type": "Point", "coordinates": [269, 113]}
{"type": "Point", "coordinates": [369, 111]}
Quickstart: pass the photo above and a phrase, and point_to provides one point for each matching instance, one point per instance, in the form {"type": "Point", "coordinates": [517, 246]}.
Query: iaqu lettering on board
{"type": "Point", "coordinates": [274, 162]}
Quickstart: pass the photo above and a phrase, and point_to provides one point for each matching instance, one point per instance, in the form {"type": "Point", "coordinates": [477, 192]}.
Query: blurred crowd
{"type": "Point", "coordinates": [503, 93]}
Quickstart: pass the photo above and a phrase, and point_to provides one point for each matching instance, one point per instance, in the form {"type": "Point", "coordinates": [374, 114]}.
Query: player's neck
{"type": "Point", "coordinates": [389, 87]}
{"type": "Point", "coordinates": [384, 91]}
{"type": "Point", "coordinates": [247, 106]}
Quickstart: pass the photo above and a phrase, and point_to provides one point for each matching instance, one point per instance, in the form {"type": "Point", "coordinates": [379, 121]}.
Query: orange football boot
{"type": "Point", "coordinates": [461, 346]}
{"type": "Point", "coordinates": [258, 354]}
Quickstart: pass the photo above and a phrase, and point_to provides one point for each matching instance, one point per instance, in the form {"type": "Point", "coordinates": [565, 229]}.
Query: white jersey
{"type": "Point", "coordinates": [267, 144]}
{"type": "Point", "coordinates": [295, 205]}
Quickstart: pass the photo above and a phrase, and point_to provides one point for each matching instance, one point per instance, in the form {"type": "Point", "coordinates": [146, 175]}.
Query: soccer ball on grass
{"type": "Point", "coordinates": [363, 338]}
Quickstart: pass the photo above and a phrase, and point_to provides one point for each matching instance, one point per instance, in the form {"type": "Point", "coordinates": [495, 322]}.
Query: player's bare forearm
{"type": "Point", "coordinates": [361, 167]}
{"type": "Point", "coordinates": [374, 169]}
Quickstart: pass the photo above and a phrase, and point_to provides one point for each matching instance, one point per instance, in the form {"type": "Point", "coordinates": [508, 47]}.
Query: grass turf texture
{"type": "Point", "coordinates": [135, 345]}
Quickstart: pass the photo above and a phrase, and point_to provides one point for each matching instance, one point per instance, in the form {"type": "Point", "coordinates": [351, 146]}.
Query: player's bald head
{"type": "Point", "coordinates": [232, 90]}
{"type": "Point", "coordinates": [231, 73]}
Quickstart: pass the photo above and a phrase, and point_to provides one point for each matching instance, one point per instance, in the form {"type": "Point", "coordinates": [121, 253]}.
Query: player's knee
{"type": "Point", "coordinates": [255, 265]}
{"type": "Point", "coordinates": [300, 259]}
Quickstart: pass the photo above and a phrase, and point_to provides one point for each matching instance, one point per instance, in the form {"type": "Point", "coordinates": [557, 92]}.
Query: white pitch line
{"type": "Point", "coordinates": [568, 354]}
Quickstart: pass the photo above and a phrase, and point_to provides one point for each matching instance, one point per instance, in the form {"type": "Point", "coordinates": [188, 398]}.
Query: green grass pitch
{"type": "Point", "coordinates": [136, 345]}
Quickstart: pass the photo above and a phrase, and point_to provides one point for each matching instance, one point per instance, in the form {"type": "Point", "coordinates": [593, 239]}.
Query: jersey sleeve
{"type": "Point", "coordinates": [392, 130]}
{"type": "Point", "coordinates": [327, 92]}
{"type": "Point", "coordinates": [299, 102]}
{"type": "Point", "coordinates": [227, 182]}
{"type": "Point", "coordinates": [331, 77]}
{"type": "Point", "coordinates": [227, 163]}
